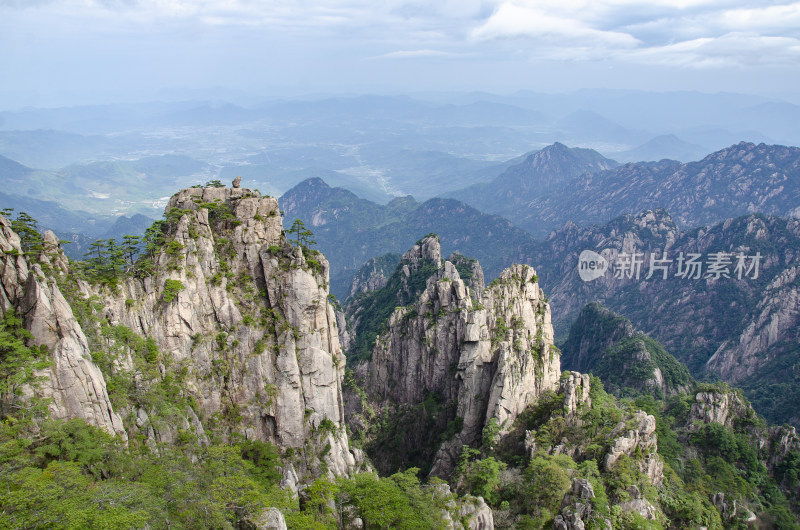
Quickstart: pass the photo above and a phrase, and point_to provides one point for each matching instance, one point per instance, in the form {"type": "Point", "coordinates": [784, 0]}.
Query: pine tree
{"type": "Point", "coordinates": [130, 247]}
{"type": "Point", "coordinates": [303, 236]}
{"type": "Point", "coordinates": [28, 230]}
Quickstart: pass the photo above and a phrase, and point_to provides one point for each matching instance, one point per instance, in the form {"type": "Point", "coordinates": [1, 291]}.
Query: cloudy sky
{"type": "Point", "coordinates": [82, 51]}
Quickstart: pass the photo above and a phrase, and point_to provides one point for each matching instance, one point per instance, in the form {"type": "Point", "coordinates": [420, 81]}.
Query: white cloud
{"type": "Point", "coordinates": [299, 40]}
{"type": "Point", "coordinates": [733, 49]}
{"type": "Point", "coordinates": [511, 20]}
{"type": "Point", "coordinates": [414, 54]}
{"type": "Point", "coordinates": [772, 18]}
{"type": "Point", "coordinates": [683, 33]}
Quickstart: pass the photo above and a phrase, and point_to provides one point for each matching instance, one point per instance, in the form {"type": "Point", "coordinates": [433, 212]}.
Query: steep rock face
{"type": "Point", "coordinates": [374, 274]}
{"type": "Point", "coordinates": [557, 259]}
{"type": "Point", "coordinates": [575, 388]}
{"type": "Point", "coordinates": [719, 407]}
{"type": "Point", "coordinates": [769, 335]}
{"type": "Point", "coordinates": [483, 360]}
{"type": "Point", "coordinates": [73, 382]}
{"type": "Point", "coordinates": [247, 315]}
{"type": "Point", "coordinates": [576, 508]}
{"type": "Point", "coordinates": [477, 513]}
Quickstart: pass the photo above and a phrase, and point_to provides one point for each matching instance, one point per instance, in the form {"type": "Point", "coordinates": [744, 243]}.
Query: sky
{"type": "Point", "coordinates": [62, 52]}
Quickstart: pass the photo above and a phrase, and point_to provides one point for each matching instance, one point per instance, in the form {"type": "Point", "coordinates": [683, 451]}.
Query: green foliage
{"type": "Point", "coordinates": [483, 477]}
{"type": "Point", "coordinates": [479, 476]}
{"type": "Point", "coordinates": [787, 471]}
{"type": "Point", "coordinates": [312, 260]}
{"type": "Point", "coordinates": [61, 496]}
{"type": "Point", "coordinates": [266, 461]}
{"type": "Point", "coordinates": [395, 502]}
{"type": "Point", "coordinates": [17, 365]}
{"type": "Point", "coordinates": [106, 262]}
{"type": "Point", "coordinates": [27, 228]}
{"type": "Point", "coordinates": [72, 475]}
{"type": "Point", "coordinates": [218, 212]}
{"type": "Point", "coordinates": [627, 353]}
{"type": "Point", "coordinates": [545, 483]}
{"type": "Point", "coordinates": [171, 290]}
{"type": "Point", "coordinates": [490, 435]}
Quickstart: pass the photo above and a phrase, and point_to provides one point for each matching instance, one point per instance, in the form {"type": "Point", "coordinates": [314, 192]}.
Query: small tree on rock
{"type": "Point", "coordinates": [303, 236]}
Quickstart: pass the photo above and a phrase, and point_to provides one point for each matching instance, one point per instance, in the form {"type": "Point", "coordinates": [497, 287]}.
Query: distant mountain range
{"type": "Point", "coordinates": [558, 185]}
{"type": "Point", "coordinates": [660, 147]}
{"type": "Point", "coordinates": [387, 146]}
{"type": "Point", "coordinates": [551, 171]}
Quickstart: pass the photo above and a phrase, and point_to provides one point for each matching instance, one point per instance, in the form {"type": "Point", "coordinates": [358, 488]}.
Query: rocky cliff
{"type": "Point", "coordinates": [473, 358]}
{"type": "Point", "coordinates": [246, 314]}
{"type": "Point", "coordinates": [73, 383]}
{"type": "Point", "coordinates": [222, 328]}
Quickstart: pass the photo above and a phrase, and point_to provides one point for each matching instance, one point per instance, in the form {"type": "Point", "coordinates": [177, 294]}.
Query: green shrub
{"type": "Point", "coordinates": [171, 290]}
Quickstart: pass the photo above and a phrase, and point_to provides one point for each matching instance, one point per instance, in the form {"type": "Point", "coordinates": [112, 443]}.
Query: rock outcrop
{"type": "Point", "coordinates": [576, 508]}
{"type": "Point", "coordinates": [476, 513]}
{"type": "Point", "coordinates": [269, 519]}
{"type": "Point", "coordinates": [638, 504]}
{"type": "Point", "coordinates": [483, 356]}
{"type": "Point", "coordinates": [637, 433]}
{"type": "Point", "coordinates": [247, 315]}
{"type": "Point", "coordinates": [575, 388]}
{"type": "Point", "coordinates": [719, 406]}
{"type": "Point", "coordinates": [73, 383]}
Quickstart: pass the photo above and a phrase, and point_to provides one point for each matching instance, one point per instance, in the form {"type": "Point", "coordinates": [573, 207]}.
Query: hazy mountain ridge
{"type": "Point", "coordinates": [351, 230]}
{"type": "Point", "coordinates": [544, 172]}
{"type": "Point", "coordinates": [740, 179]}
{"type": "Point", "coordinates": [377, 142]}
{"type": "Point", "coordinates": [660, 147]}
